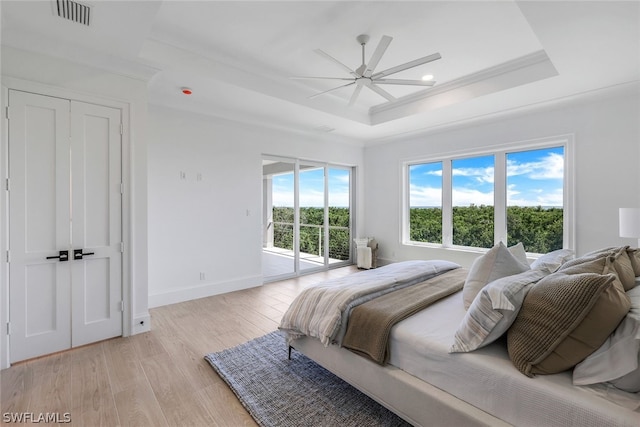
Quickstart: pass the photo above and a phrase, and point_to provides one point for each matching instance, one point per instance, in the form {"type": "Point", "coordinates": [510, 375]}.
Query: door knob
{"type": "Point", "coordinates": [62, 256]}
{"type": "Point", "coordinates": [78, 254]}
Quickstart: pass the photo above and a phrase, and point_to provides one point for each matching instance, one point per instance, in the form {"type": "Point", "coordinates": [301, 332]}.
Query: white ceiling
{"type": "Point", "coordinates": [238, 56]}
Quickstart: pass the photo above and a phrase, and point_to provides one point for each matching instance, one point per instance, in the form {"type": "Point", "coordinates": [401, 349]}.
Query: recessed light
{"type": "Point", "coordinates": [427, 77]}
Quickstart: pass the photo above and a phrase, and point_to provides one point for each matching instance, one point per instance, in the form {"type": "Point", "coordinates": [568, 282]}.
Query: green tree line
{"type": "Point", "coordinates": [539, 229]}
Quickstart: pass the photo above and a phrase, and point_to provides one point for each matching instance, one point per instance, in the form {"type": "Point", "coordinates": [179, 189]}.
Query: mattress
{"type": "Point", "coordinates": [487, 379]}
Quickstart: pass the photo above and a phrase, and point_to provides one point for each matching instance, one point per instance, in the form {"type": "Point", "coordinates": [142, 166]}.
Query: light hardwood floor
{"type": "Point", "coordinates": [158, 378]}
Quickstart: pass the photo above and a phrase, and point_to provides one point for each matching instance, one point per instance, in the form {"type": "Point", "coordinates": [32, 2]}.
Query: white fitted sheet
{"type": "Point", "coordinates": [487, 379]}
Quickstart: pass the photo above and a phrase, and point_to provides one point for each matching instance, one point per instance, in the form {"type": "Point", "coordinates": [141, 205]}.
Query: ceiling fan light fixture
{"type": "Point", "coordinates": [364, 75]}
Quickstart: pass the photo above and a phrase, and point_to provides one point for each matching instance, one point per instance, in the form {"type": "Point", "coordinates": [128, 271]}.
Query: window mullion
{"type": "Point", "coordinates": [500, 198]}
{"type": "Point", "coordinates": [405, 223]}
{"type": "Point", "coordinates": [447, 208]}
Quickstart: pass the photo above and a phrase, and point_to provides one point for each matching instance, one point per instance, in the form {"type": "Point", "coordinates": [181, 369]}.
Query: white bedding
{"type": "Point", "coordinates": [487, 379]}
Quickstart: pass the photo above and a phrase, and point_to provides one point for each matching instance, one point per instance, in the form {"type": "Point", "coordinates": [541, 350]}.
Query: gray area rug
{"type": "Point", "coordinates": [297, 392]}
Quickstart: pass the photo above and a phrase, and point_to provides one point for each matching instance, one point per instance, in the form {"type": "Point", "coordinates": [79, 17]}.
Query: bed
{"type": "Point", "coordinates": [429, 377]}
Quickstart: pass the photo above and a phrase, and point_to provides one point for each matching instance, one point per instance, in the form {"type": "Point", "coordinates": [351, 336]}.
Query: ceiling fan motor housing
{"type": "Point", "coordinates": [362, 39]}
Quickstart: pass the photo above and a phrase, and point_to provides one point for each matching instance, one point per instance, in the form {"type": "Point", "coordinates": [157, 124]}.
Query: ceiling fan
{"type": "Point", "coordinates": [364, 75]}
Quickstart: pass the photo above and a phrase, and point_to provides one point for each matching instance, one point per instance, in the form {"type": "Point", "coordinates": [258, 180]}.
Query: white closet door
{"type": "Point", "coordinates": [40, 299]}
{"type": "Point", "coordinates": [65, 195]}
{"type": "Point", "coordinates": [96, 217]}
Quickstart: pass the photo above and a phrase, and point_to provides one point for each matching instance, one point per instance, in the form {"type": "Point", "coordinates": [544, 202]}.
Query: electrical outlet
{"type": "Point", "coordinates": [141, 324]}
{"type": "Point", "coordinates": [202, 276]}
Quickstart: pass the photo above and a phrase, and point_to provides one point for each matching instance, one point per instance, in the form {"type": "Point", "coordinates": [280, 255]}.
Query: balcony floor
{"type": "Point", "coordinates": [278, 261]}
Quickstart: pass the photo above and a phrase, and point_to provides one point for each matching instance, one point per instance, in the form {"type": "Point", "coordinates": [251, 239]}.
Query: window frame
{"type": "Point", "coordinates": [499, 152]}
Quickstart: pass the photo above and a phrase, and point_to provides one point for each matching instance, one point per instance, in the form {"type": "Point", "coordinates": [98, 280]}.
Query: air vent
{"type": "Point", "coordinates": [74, 11]}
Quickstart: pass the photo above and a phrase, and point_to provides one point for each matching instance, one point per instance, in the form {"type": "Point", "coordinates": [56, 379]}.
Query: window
{"type": "Point", "coordinates": [515, 194]}
{"type": "Point", "coordinates": [425, 199]}
{"type": "Point", "coordinates": [472, 201]}
{"type": "Point", "coordinates": [535, 198]}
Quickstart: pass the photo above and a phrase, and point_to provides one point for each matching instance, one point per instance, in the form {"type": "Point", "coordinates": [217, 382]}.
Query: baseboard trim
{"type": "Point", "coordinates": [205, 290]}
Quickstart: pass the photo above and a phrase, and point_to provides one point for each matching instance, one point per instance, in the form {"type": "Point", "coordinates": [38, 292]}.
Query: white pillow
{"type": "Point", "coordinates": [617, 359]}
{"type": "Point", "coordinates": [496, 263]}
{"type": "Point", "coordinates": [493, 311]}
{"type": "Point", "coordinates": [518, 251]}
{"type": "Point", "coordinates": [553, 260]}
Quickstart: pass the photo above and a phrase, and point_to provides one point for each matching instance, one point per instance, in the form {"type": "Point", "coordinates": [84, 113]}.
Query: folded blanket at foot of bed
{"type": "Point", "coordinates": [321, 310]}
{"type": "Point", "coordinates": [370, 323]}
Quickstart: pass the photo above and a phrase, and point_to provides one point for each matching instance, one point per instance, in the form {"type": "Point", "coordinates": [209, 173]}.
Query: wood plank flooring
{"type": "Point", "coordinates": [158, 378]}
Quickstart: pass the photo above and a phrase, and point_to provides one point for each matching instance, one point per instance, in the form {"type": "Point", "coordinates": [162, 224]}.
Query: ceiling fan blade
{"type": "Point", "coordinates": [407, 65]}
{"type": "Point", "coordinates": [377, 55]}
{"type": "Point", "coordinates": [382, 92]}
{"type": "Point", "coordinates": [335, 61]}
{"type": "Point", "coordinates": [320, 78]}
{"type": "Point", "coordinates": [355, 94]}
{"type": "Point", "coordinates": [331, 90]}
{"type": "Point", "coordinates": [404, 82]}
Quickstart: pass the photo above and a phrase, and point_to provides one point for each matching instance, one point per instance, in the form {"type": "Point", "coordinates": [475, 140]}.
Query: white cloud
{"type": "Point", "coordinates": [546, 198]}
{"type": "Point", "coordinates": [339, 198]}
{"type": "Point", "coordinates": [430, 196]}
{"type": "Point", "coordinates": [468, 196]}
{"type": "Point", "coordinates": [425, 196]}
{"type": "Point", "coordinates": [342, 178]}
{"type": "Point", "coordinates": [550, 167]}
{"type": "Point", "coordinates": [283, 197]}
{"type": "Point", "coordinates": [484, 175]}
{"type": "Point", "coordinates": [511, 191]}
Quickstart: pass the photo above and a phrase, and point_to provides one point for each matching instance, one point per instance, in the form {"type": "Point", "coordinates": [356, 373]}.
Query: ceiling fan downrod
{"type": "Point", "coordinates": [362, 39]}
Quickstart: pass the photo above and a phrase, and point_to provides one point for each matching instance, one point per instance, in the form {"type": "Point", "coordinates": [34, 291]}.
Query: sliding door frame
{"type": "Point", "coordinates": [326, 167]}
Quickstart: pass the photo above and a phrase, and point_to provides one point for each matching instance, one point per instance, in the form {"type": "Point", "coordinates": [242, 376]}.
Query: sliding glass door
{"type": "Point", "coordinates": [278, 219]}
{"type": "Point", "coordinates": [306, 217]}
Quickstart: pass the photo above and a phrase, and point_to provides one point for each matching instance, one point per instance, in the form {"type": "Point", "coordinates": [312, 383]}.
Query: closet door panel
{"type": "Point", "coordinates": [96, 218]}
{"type": "Point", "coordinates": [39, 225]}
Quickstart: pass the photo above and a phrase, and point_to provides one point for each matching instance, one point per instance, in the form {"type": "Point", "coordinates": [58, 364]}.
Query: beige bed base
{"type": "Point", "coordinates": [414, 400]}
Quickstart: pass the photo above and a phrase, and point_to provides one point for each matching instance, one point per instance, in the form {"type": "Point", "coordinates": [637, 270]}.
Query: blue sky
{"type": "Point", "coordinates": [312, 188]}
{"type": "Point", "coordinates": [534, 178]}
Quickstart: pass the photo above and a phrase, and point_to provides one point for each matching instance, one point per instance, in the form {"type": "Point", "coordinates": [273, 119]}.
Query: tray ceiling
{"type": "Point", "coordinates": [238, 56]}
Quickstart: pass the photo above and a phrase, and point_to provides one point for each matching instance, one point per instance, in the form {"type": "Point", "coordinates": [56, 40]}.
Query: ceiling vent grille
{"type": "Point", "coordinates": [74, 11]}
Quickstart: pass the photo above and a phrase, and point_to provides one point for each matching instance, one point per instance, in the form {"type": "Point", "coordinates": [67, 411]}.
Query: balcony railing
{"type": "Point", "coordinates": [312, 239]}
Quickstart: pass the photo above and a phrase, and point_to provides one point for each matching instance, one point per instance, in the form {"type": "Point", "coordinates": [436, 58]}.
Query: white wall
{"type": "Point", "coordinates": [607, 163]}
{"type": "Point", "coordinates": [213, 225]}
{"type": "Point", "coordinates": [58, 77]}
